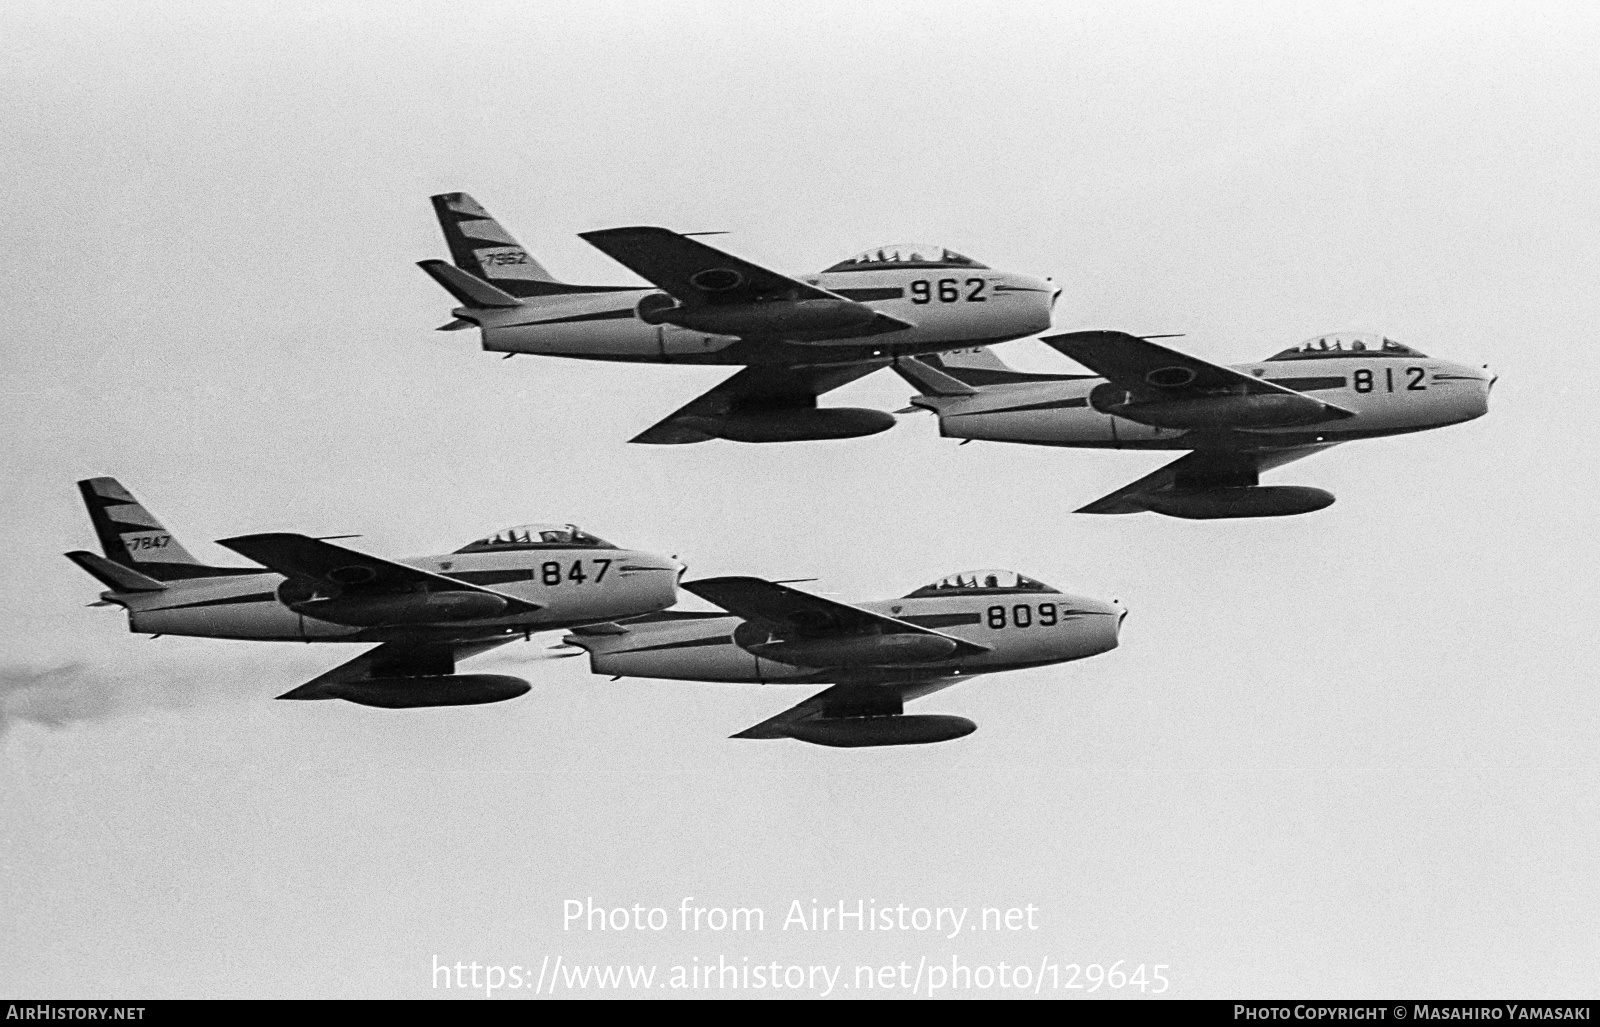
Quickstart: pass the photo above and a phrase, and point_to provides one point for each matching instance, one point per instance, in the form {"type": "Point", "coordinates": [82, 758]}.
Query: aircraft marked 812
{"type": "Point", "coordinates": [1238, 421]}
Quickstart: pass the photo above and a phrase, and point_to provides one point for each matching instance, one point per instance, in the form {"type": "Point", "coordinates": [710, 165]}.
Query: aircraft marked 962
{"type": "Point", "coordinates": [797, 338]}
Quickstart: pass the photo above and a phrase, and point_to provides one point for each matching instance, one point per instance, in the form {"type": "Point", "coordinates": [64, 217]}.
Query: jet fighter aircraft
{"type": "Point", "coordinates": [426, 613]}
{"type": "Point", "coordinates": [796, 337]}
{"type": "Point", "coordinates": [1236, 421]}
{"type": "Point", "coordinates": [875, 656]}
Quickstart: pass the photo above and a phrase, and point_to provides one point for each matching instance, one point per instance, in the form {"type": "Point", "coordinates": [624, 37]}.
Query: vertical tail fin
{"type": "Point", "coordinates": [979, 367]}
{"type": "Point", "coordinates": [979, 358]}
{"type": "Point", "coordinates": [133, 538]}
{"type": "Point", "coordinates": [483, 249]}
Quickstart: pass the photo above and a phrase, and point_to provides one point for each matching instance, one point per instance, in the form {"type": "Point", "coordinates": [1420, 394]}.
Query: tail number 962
{"type": "Point", "coordinates": [949, 290]}
{"type": "Point", "coordinates": [1022, 616]}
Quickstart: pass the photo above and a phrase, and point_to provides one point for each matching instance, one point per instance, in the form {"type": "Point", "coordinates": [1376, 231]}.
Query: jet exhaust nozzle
{"type": "Point", "coordinates": [1240, 501]}
{"type": "Point", "coordinates": [908, 729]}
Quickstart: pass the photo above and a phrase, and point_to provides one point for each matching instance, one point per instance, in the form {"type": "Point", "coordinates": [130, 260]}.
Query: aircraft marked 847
{"type": "Point", "coordinates": [1238, 421]}
{"type": "Point", "coordinates": [796, 337]}
{"type": "Point", "coordinates": [876, 656]}
{"type": "Point", "coordinates": [426, 612]}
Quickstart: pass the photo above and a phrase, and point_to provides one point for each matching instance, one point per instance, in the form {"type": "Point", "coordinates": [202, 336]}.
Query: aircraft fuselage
{"type": "Point", "coordinates": [571, 585]}
{"type": "Point", "coordinates": [1389, 395]}
{"type": "Point", "coordinates": [1022, 629]}
{"type": "Point", "coordinates": [948, 307]}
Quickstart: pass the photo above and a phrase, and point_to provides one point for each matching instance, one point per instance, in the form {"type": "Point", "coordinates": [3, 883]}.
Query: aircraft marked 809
{"type": "Point", "coordinates": [797, 337]}
{"type": "Point", "coordinates": [426, 612]}
{"type": "Point", "coordinates": [876, 656]}
{"type": "Point", "coordinates": [1239, 421]}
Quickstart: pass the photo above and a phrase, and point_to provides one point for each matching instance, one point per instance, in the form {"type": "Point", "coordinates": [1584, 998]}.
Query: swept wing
{"type": "Point", "coordinates": [789, 612]}
{"type": "Point", "coordinates": [1153, 373]}
{"type": "Point", "coordinates": [1201, 469]}
{"type": "Point", "coordinates": [843, 701]}
{"type": "Point", "coordinates": [703, 278]}
{"type": "Point", "coordinates": [756, 391]}
{"type": "Point", "coordinates": [395, 660]}
{"type": "Point", "coordinates": [300, 556]}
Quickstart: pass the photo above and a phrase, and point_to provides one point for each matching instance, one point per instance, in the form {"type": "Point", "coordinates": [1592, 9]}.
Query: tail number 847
{"type": "Point", "coordinates": [552, 573]}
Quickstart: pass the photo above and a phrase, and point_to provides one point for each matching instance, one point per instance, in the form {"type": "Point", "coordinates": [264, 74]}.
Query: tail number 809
{"type": "Point", "coordinates": [1021, 616]}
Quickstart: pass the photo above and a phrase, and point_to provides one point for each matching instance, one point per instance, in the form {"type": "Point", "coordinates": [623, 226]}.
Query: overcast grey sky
{"type": "Point", "coordinates": [1345, 754]}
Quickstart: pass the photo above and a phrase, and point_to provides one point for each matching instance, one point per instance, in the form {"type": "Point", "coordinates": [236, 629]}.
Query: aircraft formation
{"type": "Point", "coordinates": [927, 312]}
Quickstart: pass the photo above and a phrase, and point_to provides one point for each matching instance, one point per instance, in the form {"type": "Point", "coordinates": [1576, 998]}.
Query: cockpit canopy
{"type": "Point", "coordinates": [537, 536]}
{"type": "Point", "coordinates": [980, 583]}
{"type": "Point", "coordinates": [1344, 344]}
{"type": "Point", "coordinates": [906, 254]}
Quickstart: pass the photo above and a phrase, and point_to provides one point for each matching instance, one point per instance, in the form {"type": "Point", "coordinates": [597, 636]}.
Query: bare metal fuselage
{"type": "Point", "coordinates": [948, 307]}
{"type": "Point", "coordinates": [1021, 629]}
{"type": "Point", "coordinates": [1388, 395]}
{"type": "Point", "coordinates": [571, 586]}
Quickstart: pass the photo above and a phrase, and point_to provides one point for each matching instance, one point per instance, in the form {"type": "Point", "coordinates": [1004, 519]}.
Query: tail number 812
{"type": "Point", "coordinates": [948, 290]}
{"type": "Point", "coordinates": [1363, 382]}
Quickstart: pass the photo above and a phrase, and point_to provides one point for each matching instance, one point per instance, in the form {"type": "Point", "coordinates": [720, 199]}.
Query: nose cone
{"type": "Point", "coordinates": [1460, 392]}
{"type": "Point", "coordinates": [1117, 614]}
{"type": "Point", "coordinates": [1041, 294]}
{"type": "Point", "coordinates": [1486, 381]}
{"type": "Point", "coordinates": [1102, 624]}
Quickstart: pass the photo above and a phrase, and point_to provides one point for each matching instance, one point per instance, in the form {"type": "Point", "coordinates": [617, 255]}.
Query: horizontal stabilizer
{"type": "Point", "coordinates": [603, 628]}
{"type": "Point", "coordinates": [929, 380]}
{"type": "Point", "coordinates": [114, 575]}
{"type": "Point", "coordinates": [470, 291]}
